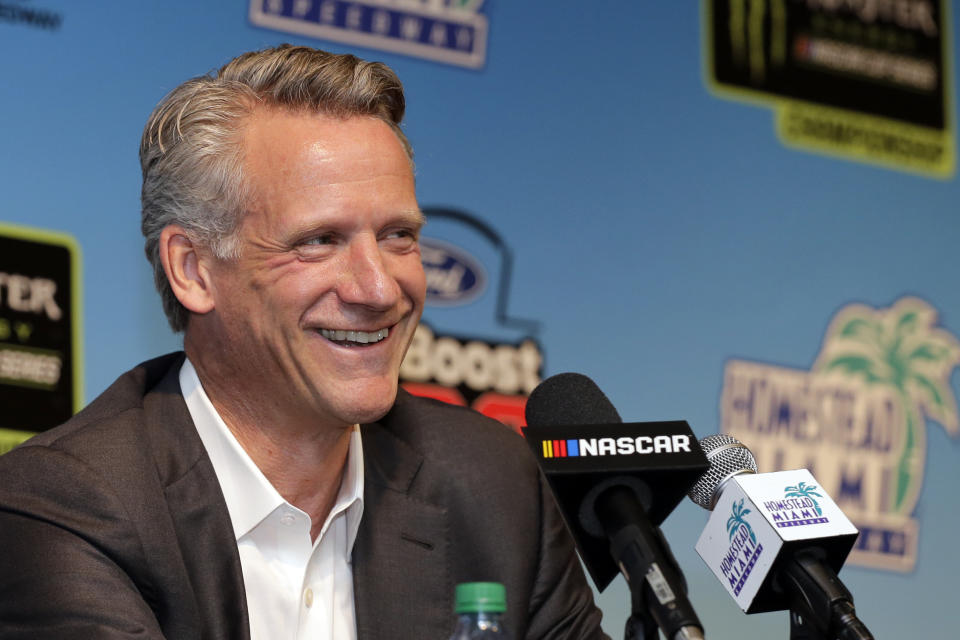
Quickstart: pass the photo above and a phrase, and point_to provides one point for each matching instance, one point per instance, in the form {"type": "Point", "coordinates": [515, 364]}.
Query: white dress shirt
{"type": "Point", "coordinates": [295, 588]}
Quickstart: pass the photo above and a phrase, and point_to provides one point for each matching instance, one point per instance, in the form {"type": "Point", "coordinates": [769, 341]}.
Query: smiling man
{"type": "Point", "coordinates": [271, 481]}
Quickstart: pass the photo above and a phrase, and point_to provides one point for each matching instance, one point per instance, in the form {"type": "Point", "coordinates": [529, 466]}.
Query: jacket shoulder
{"type": "Point", "coordinates": [458, 435]}
{"type": "Point", "coordinates": [112, 409]}
{"type": "Point", "coordinates": [122, 445]}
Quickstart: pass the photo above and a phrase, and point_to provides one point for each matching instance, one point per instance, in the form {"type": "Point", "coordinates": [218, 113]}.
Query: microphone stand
{"type": "Point", "coordinates": [654, 603]}
{"type": "Point", "coordinates": [821, 607]}
{"type": "Point", "coordinates": [640, 624]}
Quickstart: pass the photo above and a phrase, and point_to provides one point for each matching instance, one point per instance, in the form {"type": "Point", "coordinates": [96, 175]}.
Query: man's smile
{"type": "Point", "coordinates": [354, 338]}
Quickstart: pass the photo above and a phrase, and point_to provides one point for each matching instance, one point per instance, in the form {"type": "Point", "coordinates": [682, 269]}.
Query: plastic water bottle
{"type": "Point", "coordinates": [479, 607]}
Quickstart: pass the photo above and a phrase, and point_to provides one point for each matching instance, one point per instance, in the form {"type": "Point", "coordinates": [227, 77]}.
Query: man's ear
{"type": "Point", "coordinates": [186, 270]}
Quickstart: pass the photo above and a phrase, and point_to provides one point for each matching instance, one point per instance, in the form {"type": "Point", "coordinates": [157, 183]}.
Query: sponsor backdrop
{"type": "Point", "coordinates": [739, 214]}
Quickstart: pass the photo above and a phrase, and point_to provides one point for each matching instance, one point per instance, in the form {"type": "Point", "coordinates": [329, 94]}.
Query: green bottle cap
{"type": "Point", "coordinates": [473, 597]}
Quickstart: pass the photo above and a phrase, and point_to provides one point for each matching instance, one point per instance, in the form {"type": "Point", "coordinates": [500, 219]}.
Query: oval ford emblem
{"type": "Point", "coordinates": [454, 277]}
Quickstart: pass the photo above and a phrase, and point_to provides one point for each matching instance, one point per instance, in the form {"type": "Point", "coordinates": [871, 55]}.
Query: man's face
{"type": "Point", "coordinates": [318, 311]}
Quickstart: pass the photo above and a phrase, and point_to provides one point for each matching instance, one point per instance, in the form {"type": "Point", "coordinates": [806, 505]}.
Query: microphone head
{"type": "Point", "coordinates": [728, 457]}
{"type": "Point", "coordinates": [584, 448]}
{"type": "Point", "coordinates": [569, 399]}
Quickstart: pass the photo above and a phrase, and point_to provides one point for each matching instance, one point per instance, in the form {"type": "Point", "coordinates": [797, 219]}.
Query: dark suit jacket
{"type": "Point", "coordinates": [114, 526]}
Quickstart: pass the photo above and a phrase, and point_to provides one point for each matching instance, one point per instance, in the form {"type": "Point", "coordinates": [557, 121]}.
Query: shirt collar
{"type": "Point", "coordinates": [249, 495]}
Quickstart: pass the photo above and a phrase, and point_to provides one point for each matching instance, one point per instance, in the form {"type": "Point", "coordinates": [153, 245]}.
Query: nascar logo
{"type": "Point", "coordinates": [623, 446]}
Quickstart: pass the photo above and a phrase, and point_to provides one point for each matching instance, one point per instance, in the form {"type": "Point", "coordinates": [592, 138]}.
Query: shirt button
{"type": "Point", "coordinates": [288, 519]}
{"type": "Point", "coordinates": [308, 598]}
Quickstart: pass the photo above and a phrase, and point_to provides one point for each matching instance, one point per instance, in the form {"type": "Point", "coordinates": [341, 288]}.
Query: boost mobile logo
{"type": "Point", "coordinates": [623, 446]}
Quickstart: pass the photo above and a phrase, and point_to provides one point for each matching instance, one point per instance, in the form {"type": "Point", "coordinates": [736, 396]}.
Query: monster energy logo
{"type": "Point", "coordinates": [748, 35]}
{"type": "Point", "coordinates": [864, 79]}
{"type": "Point", "coordinates": [857, 420]}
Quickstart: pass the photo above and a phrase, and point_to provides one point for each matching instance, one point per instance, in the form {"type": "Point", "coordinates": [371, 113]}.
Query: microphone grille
{"type": "Point", "coordinates": [728, 457]}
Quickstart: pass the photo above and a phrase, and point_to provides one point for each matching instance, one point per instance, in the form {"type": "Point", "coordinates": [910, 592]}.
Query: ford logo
{"type": "Point", "coordinates": [454, 277]}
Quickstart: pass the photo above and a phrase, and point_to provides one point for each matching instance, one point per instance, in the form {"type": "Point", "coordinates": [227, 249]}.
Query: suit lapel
{"type": "Point", "coordinates": [401, 570]}
{"type": "Point", "coordinates": [401, 567]}
{"type": "Point", "coordinates": [198, 512]}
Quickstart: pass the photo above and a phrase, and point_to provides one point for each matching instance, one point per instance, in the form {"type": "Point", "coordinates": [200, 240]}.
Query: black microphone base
{"type": "Point", "coordinates": [642, 627]}
{"type": "Point", "coordinates": [821, 607]}
{"type": "Point", "coordinates": [657, 588]}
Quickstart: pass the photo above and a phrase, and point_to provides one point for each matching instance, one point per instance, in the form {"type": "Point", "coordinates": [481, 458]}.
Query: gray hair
{"type": "Point", "coordinates": [191, 150]}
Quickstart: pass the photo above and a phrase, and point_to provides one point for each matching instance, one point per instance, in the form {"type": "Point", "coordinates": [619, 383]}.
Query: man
{"type": "Point", "coordinates": [230, 492]}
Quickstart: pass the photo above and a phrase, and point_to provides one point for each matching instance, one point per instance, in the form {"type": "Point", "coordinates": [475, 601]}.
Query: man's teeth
{"type": "Point", "coordinates": [360, 337]}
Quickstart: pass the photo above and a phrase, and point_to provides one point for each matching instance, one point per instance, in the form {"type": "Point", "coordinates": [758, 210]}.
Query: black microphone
{"type": "Point", "coordinates": [615, 483]}
{"type": "Point", "coordinates": [776, 541]}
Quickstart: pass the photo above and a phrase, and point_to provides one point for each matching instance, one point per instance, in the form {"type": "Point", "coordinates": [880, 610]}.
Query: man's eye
{"type": "Point", "coordinates": [320, 240]}
{"type": "Point", "coordinates": [317, 247]}
{"type": "Point", "coordinates": [403, 234]}
{"type": "Point", "coordinates": [401, 239]}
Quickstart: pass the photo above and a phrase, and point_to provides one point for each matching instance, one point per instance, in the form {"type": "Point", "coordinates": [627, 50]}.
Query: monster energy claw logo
{"type": "Point", "coordinates": [857, 419]}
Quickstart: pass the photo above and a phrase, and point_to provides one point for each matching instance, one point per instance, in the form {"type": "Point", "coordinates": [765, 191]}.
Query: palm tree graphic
{"type": "Point", "coordinates": [737, 519]}
{"type": "Point", "coordinates": [901, 349]}
{"type": "Point", "coordinates": [801, 490]}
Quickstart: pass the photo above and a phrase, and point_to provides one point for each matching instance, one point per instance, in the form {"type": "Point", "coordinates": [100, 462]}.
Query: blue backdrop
{"type": "Point", "coordinates": [658, 231]}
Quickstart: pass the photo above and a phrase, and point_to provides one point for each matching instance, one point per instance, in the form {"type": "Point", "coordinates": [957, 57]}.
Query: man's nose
{"type": "Point", "coordinates": [366, 278]}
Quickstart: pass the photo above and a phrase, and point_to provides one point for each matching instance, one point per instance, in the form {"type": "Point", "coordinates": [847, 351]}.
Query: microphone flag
{"type": "Point", "coordinates": [659, 461]}
{"type": "Point", "coordinates": [760, 521]}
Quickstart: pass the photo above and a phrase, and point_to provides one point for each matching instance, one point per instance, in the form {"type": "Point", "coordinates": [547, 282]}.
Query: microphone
{"type": "Point", "coordinates": [776, 541]}
{"type": "Point", "coordinates": [615, 483]}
